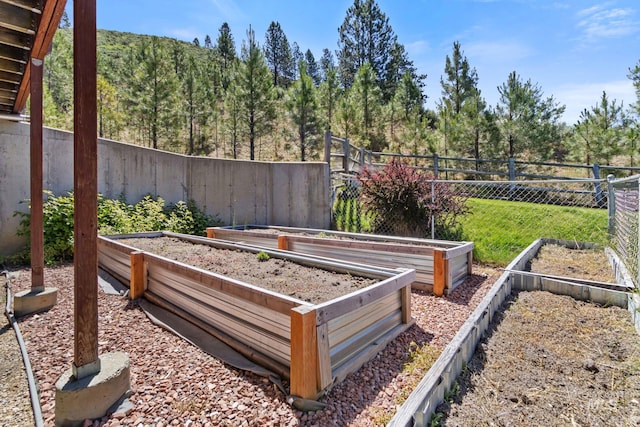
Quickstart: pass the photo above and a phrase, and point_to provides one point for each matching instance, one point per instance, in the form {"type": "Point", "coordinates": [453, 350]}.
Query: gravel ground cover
{"type": "Point", "coordinates": [175, 383]}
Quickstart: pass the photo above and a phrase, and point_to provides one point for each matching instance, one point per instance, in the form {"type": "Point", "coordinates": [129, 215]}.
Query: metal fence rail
{"type": "Point", "coordinates": [624, 222]}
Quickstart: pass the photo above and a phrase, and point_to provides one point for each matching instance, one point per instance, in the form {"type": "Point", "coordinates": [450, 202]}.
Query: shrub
{"type": "Point", "coordinates": [114, 217]}
{"type": "Point", "coordinates": [405, 201]}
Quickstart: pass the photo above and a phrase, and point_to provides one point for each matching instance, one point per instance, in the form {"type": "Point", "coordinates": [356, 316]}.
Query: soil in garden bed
{"type": "Point", "coordinates": [589, 264]}
{"type": "Point", "coordinates": [551, 360]}
{"type": "Point", "coordinates": [285, 277]}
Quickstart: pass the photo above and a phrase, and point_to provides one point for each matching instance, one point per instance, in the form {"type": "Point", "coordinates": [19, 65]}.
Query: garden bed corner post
{"type": "Point", "coordinates": [304, 353]}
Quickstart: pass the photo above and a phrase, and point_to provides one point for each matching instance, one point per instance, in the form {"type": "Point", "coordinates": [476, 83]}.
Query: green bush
{"type": "Point", "coordinates": [114, 217]}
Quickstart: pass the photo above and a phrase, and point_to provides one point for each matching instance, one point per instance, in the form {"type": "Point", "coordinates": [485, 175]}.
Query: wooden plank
{"type": "Point", "coordinates": [304, 353]}
{"type": "Point", "coordinates": [115, 245]}
{"type": "Point", "coordinates": [339, 306]}
{"type": "Point", "coordinates": [457, 251]}
{"type": "Point", "coordinates": [37, 217]}
{"type": "Point", "coordinates": [138, 283]}
{"type": "Point", "coordinates": [439, 273]}
{"type": "Point", "coordinates": [85, 185]}
{"type": "Point", "coordinates": [406, 304]}
{"type": "Point", "coordinates": [325, 377]}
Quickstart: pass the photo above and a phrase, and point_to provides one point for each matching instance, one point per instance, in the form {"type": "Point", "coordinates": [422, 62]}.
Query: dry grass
{"type": "Point", "coordinates": [589, 264]}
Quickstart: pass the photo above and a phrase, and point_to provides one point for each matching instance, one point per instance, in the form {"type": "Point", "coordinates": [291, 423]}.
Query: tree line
{"type": "Point", "coordinates": [272, 101]}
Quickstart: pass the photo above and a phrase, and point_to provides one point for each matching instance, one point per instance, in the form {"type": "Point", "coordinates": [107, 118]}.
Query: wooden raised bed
{"type": "Point", "coordinates": [440, 265]}
{"type": "Point", "coordinates": [314, 345]}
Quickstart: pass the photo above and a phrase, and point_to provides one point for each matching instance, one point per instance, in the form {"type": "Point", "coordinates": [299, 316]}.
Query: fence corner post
{"type": "Point", "coordinates": [327, 147]}
{"type": "Point", "coordinates": [611, 205]}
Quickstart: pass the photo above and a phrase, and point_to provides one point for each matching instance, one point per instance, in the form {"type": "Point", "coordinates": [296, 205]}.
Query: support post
{"type": "Point", "coordinates": [304, 353]}
{"type": "Point", "coordinates": [211, 234]}
{"type": "Point", "coordinates": [85, 186]}
{"type": "Point", "coordinates": [598, 187]}
{"type": "Point", "coordinates": [37, 228]}
{"type": "Point", "coordinates": [283, 243]}
{"type": "Point", "coordinates": [406, 304]}
{"type": "Point", "coordinates": [138, 282]}
{"type": "Point", "coordinates": [439, 272]}
{"type": "Point", "coordinates": [346, 156]}
{"type": "Point", "coordinates": [435, 165]}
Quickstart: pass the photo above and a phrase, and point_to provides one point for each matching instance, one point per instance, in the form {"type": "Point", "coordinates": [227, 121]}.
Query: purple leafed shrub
{"type": "Point", "coordinates": [404, 201]}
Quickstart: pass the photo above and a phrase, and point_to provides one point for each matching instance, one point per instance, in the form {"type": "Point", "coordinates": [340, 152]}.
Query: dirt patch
{"type": "Point", "coordinates": [310, 284]}
{"type": "Point", "coordinates": [551, 360]}
{"type": "Point", "coordinates": [589, 264]}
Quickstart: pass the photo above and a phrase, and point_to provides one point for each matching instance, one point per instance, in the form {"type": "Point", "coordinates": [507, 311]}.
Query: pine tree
{"type": "Point", "coordinates": [226, 47]}
{"type": "Point", "coordinates": [303, 106]}
{"type": "Point", "coordinates": [366, 36]}
{"type": "Point", "coordinates": [257, 91]}
{"type": "Point", "coordinates": [296, 57]}
{"type": "Point", "coordinates": [529, 122]}
{"type": "Point", "coordinates": [278, 54]}
{"type": "Point", "coordinates": [312, 67]}
{"type": "Point", "coordinates": [326, 62]}
{"type": "Point", "coordinates": [329, 95]}
{"type": "Point", "coordinates": [233, 110]}
{"type": "Point", "coordinates": [460, 82]}
{"type": "Point", "coordinates": [367, 96]}
{"type": "Point", "coordinates": [207, 42]}
{"type": "Point", "coordinates": [599, 131]}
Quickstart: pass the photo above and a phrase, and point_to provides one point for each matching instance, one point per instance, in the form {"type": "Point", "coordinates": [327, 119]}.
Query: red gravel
{"type": "Point", "coordinates": [175, 383]}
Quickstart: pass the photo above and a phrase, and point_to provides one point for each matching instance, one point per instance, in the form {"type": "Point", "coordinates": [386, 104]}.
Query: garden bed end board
{"type": "Point", "coordinates": [430, 392]}
{"type": "Point", "coordinates": [314, 345]}
{"type": "Point", "coordinates": [440, 265]}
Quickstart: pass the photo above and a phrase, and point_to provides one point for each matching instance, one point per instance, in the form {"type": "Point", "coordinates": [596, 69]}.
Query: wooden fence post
{"type": "Point", "coordinates": [439, 272]}
{"type": "Point", "coordinates": [346, 155]}
{"type": "Point", "coordinates": [138, 282]}
{"type": "Point", "coordinates": [304, 353]}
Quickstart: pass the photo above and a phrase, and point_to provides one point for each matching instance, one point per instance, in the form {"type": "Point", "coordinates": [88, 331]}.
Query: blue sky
{"type": "Point", "coordinates": [573, 49]}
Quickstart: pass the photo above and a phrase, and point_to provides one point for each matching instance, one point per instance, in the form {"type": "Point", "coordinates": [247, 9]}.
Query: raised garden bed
{"type": "Point", "coordinates": [313, 344]}
{"type": "Point", "coordinates": [440, 265]}
{"type": "Point", "coordinates": [423, 401]}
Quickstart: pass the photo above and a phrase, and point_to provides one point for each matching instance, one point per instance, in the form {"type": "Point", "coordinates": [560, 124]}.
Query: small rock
{"type": "Point", "coordinates": [590, 366]}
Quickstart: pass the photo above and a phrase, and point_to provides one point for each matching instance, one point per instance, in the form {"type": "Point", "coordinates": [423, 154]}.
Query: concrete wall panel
{"type": "Point", "coordinates": [238, 192]}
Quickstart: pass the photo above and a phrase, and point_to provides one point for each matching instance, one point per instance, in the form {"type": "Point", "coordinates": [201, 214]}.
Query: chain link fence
{"type": "Point", "coordinates": [500, 217]}
{"type": "Point", "coordinates": [624, 222]}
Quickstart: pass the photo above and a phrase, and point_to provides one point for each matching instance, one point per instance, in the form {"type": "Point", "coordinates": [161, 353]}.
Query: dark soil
{"type": "Point", "coordinates": [310, 284]}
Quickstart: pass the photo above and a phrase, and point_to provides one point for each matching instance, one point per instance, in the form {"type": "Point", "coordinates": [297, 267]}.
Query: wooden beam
{"type": "Point", "coordinates": [304, 353]}
{"type": "Point", "coordinates": [51, 15]}
{"type": "Point", "coordinates": [36, 224]}
{"type": "Point", "coordinates": [283, 243]}
{"type": "Point", "coordinates": [85, 186]}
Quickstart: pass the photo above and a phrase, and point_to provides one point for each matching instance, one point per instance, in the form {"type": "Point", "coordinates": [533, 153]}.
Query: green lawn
{"type": "Point", "coordinates": [502, 229]}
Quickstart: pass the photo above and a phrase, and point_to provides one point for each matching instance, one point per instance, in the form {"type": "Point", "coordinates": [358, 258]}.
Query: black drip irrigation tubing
{"type": "Point", "coordinates": [33, 389]}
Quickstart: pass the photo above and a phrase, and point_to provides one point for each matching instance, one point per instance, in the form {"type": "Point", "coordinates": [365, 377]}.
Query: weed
{"type": "Point", "coordinates": [263, 256]}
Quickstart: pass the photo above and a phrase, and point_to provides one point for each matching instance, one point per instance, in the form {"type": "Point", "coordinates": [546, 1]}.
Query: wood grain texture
{"type": "Point", "coordinates": [36, 221]}
{"type": "Point", "coordinates": [304, 353]}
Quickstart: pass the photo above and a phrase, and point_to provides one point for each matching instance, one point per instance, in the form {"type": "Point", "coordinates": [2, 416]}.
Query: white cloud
{"type": "Point", "coordinates": [600, 22]}
{"type": "Point", "coordinates": [578, 97]}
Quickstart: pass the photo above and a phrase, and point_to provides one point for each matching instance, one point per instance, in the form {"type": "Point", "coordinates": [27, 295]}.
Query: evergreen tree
{"type": "Point", "coordinates": [303, 107]}
{"type": "Point", "coordinates": [233, 109]}
{"type": "Point", "coordinates": [312, 67]}
{"type": "Point", "coordinates": [296, 57]}
{"type": "Point", "coordinates": [226, 47]}
{"type": "Point", "coordinates": [110, 118]}
{"type": "Point", "coordinates": [367, 96]}
{"type": "Point", "coordinates": [326, 63]}
{"type": "Point", "coordinates": [196, 42]}
{"type": "Point", "coordinates": [461, 80]}
{"type": "Point", "coordinates": [366, 36]}
{"type": "Point", "coordinates": [329, 95]}
{"type": "Point", "coordinates": [599, 131]}
{"type": "Point", "coordinates": [207, 42]}
{"type": "Point", "coordinates": [153, 92]}
{"type": "Point", "coordinates": [257, 91]}
{"type": "Point", "coordinates": [528, 122]}
{"type": "Point", "coordinates": [278, 54]}
{"type": "Point", "coordinates": [64, 21]}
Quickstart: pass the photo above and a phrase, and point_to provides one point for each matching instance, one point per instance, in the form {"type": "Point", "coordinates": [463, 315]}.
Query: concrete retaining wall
{"type": "Point", "coordinates": [238, 192]}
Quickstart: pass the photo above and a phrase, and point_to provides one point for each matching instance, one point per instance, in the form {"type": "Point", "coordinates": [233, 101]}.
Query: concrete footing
{"type": "Point", "coordinates": [91, 397]}
{"type": "Point", "coordinates": [27, 302]}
